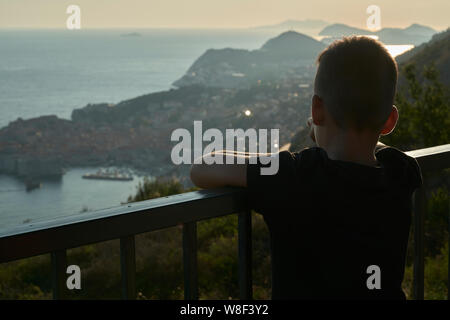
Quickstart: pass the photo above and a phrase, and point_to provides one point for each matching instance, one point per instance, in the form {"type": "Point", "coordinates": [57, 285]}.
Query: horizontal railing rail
{"type": "Point", "coordinates": [122, 221]}
{"type": "Point", "coordinates": [126, 221]}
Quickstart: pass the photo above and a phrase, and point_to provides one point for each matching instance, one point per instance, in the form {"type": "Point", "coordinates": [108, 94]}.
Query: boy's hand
{"type": "Point", "coordinates": [310, 125]}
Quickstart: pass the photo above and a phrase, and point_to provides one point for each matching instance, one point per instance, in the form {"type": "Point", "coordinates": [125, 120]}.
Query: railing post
{"type": "Point", "coordinates": [245, 255]}
{"type": "Point", "coordinates": [448, 263]}
{"type": "Point", "coordinates": [190, 261]}
{"type": "Point", "coordinates": [59, 266]}
{"type": "Point", "coordinates": [128, 267]}
{"type": "Point", "coordinates": [419, 260]}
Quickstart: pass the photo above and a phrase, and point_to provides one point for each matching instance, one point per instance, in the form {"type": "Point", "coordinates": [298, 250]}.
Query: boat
{"type": "Point", "coordinates": [31, 185]}
{"type": "Point", "coordinates": [108, 175]}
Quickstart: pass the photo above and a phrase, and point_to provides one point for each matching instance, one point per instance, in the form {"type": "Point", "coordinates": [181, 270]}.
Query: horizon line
{"type": "Point", "coordinates": [261, 27]}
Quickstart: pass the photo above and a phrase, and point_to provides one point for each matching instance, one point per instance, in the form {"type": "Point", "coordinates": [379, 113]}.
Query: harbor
{"type": "Point", "coordinates": [115, 175]}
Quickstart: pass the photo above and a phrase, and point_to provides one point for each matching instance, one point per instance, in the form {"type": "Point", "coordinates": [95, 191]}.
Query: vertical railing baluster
{"type": "Point", "coordinates": [128, 267]}
{"type": "Point", "coordinates": [419, 261]}
{"type": "Point", "coordinates": [245, 255]}
{"type": "Point", "coordinates": [59, 266]}
{"type": "Point", "coordinates": [448, 263]}
{"type": "Point", "coordinates": [190, 261]}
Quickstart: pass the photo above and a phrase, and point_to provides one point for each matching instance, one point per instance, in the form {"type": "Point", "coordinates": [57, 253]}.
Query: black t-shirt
{"type": "Point", "coordinates": [329, 220]}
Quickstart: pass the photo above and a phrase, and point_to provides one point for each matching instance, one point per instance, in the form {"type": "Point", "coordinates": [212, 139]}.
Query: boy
{"type": "Point", "coordinates": [339, 213]}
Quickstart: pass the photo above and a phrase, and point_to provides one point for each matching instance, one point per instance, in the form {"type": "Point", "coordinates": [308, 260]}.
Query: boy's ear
{"type": "Point", "coordinates": [390, 122]}
{"type": "Point", "coordinates": [317, 110]}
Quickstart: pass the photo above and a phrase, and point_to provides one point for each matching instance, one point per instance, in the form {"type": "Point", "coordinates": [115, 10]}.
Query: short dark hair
{"type": "Point", "coordinates": [357, 80]}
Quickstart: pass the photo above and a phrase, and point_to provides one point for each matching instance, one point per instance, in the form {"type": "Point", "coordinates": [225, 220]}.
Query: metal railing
{"type": "Point", "coordinates": [126, 221]}
{"type": "Point", "coordinates": [430, 159]}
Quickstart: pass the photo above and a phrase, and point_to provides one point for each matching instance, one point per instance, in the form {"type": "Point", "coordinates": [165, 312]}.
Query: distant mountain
{"type": "Point", "coordinates": [419, 30]}
{"type": "Point", "coordinates": [436, 51]}
{"type": "Point", "coordinates": [297, 25]}
{"type": "Point", "coordinates": [342, 30]}
{"type": "Point", "coordinates": [414, 34]}
{"type": "Point", "coordinates": [293, 45]}
{"type": "Point", "coordinates": [284, 55]}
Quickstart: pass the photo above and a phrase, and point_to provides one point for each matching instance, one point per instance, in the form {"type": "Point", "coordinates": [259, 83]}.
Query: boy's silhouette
{"type": "Point", "coordinates": [336, 210]}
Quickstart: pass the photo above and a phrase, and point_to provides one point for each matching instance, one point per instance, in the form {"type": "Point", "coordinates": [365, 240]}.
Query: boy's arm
{"type": "Point", "coordinates": [220, 175]}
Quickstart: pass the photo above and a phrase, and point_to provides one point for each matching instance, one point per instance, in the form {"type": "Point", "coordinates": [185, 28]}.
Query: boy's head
{"type": "Point", "coordinates": [356, 83]}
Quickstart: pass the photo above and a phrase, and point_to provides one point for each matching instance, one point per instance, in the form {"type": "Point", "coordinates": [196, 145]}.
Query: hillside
{"type": "Point", "coordinates": [287, 55]}
{"type": "Point", "coordinates": [136, 133]}
{"type": "Point", "coordinates": [436, 51]}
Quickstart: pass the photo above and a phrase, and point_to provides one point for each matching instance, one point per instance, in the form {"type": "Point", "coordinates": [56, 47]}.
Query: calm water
{"type": "Point", "coordinates": [59, 197]}
{"type": "Point", "coordinates": [54, 72]}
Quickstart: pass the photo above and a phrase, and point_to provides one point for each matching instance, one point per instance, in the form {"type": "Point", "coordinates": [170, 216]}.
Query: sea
{"type": "Point", "coordinates": [52, 72]}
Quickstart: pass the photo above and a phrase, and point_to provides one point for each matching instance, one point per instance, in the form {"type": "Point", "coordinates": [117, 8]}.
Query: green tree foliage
{"type": "Point", "coordinates": [424, 110]}
{"type": "Point", "coordinates": [436, 223]}
{"type": "Point", "coordinates": [160, 187]}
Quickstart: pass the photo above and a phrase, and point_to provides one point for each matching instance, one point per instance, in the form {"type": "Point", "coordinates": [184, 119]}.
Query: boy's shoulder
{"type": "Point", "coordinates": [313, 163]}
{"type": "Point", "coordinates": [387, 155]}
{"type": "Point", "coordinates": [311, 156]}
{"type": "Point", "coordinates": [396, 163]}
{"type": "Point", "coordinates": [400, 165]}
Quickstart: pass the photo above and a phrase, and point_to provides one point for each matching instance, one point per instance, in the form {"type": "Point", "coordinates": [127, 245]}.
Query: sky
{"type": "Point", "coordinates": [218, 14]}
